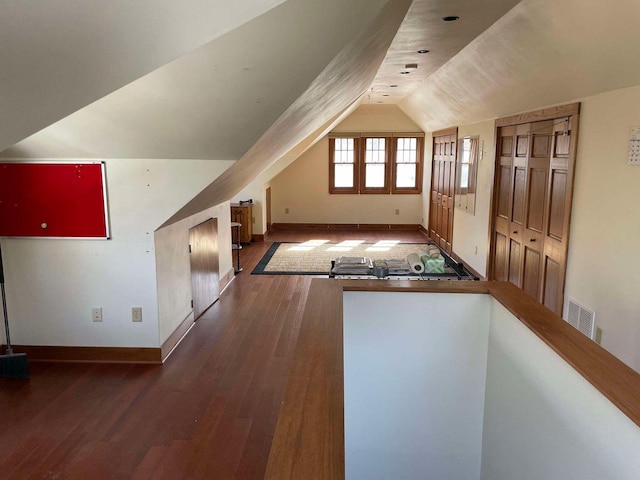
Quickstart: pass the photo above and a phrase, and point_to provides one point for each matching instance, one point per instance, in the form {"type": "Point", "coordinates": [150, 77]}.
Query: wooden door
{"type": "Point", "coordinates": [538, 161]}
{"type": "Point", "coordinates": [558, 212]}
{"type": "Point", "coordinates": [443, 177]}
{"type": "Point", "coordinates": [532, 202]}
{"type": "Point", "coordinates": [503, 199]}
{"type": "Point", "coordinates": [204, 259]}
{"type": "Point", "coordinates": [267, 204]}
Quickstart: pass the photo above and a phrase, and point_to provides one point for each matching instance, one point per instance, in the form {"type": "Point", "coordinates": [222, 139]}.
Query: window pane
{"type": "Point", "coordinates": [407, 150]}
{"type": "Point", "coordinates": [464, 175]}
{"type": "Point", "coordinates": [375, 150]}
{"type": "Point", "coordinates": [406, 175]}
{"type": "Point", "coordinates": [374, 177]}
{"type": "Point", "coordinates": [343, 175]}
{"type": "Point", "coordinates": [343, 150]}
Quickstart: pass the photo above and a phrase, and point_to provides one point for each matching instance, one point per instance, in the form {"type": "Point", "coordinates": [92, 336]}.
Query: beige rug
{"type": "Point", "coordinates": [315, 256]}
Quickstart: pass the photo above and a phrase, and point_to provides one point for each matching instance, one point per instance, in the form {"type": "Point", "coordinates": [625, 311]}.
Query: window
{"type": "Point", "coordinates": [407, 172]}
{"type": "Point", "coordinates": [343, 167]}
{"type": "Point", "coordinates": [375, 178]}
{"type": "Point", "coordinates": [375, 163]}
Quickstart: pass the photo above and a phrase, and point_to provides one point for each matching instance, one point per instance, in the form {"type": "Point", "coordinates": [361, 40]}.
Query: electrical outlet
{"type": "Point", "coordinates": [253, 219]}
{"type": "Point", "coordinates": [96, 314]}
{"type": "Point", "coordinates": [476, 250]}
{"type": "Point", "coordinates": [397, 211]}
{"type": "Point", "coordinates": [136, 314]}
{"type": "Point", "coordinates": [286, 211]}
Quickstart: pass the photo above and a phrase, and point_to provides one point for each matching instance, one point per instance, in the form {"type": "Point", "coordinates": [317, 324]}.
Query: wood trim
{"type": "Point", "coordinates": [419, 169]}
{"type": "Point", "coordinates": [539, 115]}
{"type": "Point", "coordinates": [386, 189]}
{"type": "Point", "coordinates": [446, 131]}
{"type": "Point", "coordinates": [492, 205]}
{"type": "Point", "coordinates": [309, 437]}
{"type": "Point", "coordinates": [257, 237]}
{"type": "Point", "coordinates": [54, 353]}
{"type": "Point", "coordinates": [178, 333]}
{"type": "Point", "coordinates": [356, 169]}
{"type": "Point", "coordinates": [374, 134]}
{"type": "Point", "coordinates": [226, 279]}
{"type": "Point", "coordinates": [345, 226]}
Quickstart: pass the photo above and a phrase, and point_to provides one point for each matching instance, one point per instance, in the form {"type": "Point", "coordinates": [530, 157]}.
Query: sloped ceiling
{"type": "Point", "coordinates": [542, 52]}
{"type": "Point", "coordinates": [344, 79]}
{"type": "Point", "coordinates": [215, 102]}
{"type": "Point", "coordinates": [58, 56]}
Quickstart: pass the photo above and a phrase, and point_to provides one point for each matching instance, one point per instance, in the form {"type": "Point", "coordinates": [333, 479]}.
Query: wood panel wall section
{"type": "Point", "coordinates": [309, 437]}
{"type": "Point", "coordinates": [531, 205]}
{"type": "Point", "coordinates": [443, 182]}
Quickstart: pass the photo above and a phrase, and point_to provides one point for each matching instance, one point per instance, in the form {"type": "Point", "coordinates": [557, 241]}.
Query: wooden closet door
{"type": "Point", "coordinates": [502, 221]}
{"type": "Point", "coordinates": [204, 259]}
{"type": "Point", "coordinates": [443, 179]}
{"type": "Point", "coordinates": [533, 188]}
{"type": "Point", "coordinates": [558, 213]}
{"type": "Point", "coordinates": [536, 207]}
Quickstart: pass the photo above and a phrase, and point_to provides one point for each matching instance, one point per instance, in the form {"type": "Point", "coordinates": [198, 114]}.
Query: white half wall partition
{"type": "Point", "coordinates": [543, 420]}
{"type": "Point", "coordinates": [454, 386]}
{"type": "Point", "coordinates": [414, 376]}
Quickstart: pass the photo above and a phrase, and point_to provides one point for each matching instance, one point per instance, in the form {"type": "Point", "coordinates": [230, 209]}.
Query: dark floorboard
{"type": "Point", "coordinates": [209, 412]}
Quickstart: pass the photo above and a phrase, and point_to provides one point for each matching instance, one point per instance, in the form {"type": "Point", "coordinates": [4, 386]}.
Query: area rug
{"type": "Point", "coordinates": [314, 257]}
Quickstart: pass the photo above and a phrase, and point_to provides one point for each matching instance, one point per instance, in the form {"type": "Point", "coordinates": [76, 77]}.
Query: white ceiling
{"type": "Point", "coordinates": [541, 53]}
{"type": "Point", "coordinates": [215, 102]}
{"type": "Point", "coordinates": [57, 56]}
{"type": "Point", "coordinates": [259, 90]}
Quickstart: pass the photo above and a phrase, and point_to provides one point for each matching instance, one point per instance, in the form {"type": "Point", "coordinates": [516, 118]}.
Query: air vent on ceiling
{"type": "Point", "coordinates": [581, 318]}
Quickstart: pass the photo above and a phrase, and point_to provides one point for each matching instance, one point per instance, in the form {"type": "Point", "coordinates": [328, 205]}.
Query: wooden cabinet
{"type": "Point", "coordinates": [242, 214]}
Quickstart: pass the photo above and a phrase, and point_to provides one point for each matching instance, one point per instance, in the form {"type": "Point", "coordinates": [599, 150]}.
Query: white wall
{"type": "Point", "coordinates": [303, 187]}
{"type": "Point", "coordinates": [544, 421]}
{"type": "Point", "coordinates": [603, 268]}
{"type": "Point", "coordinates": [53, 284]}
{"type": "Point", "coordinates": [472, 231]}
{"type": "Point", "coordinates": [414, 375]}
{"type": "Point", "coordinates": [603, 271]}
{"type": "Point", "coordinates": [174, 268]}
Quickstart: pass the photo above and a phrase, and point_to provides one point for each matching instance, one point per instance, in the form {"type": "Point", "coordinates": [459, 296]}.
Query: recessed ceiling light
{"type": "Point", "coordinates": [405, 73]}
{"type": "Point", "coordinates": [452, 18]}
{"type": "Point", "coordinates": [393, 86]}
{"type": "Point", "coordinates": [423, 51]}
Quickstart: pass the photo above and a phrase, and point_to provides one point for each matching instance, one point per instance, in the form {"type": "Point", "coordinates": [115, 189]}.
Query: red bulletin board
{"type": "Point", "coordinates": [53, 200]}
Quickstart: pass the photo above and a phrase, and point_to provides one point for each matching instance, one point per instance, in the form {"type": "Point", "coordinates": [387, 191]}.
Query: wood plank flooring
{"type": "Point", "coordinates": [208, 413]}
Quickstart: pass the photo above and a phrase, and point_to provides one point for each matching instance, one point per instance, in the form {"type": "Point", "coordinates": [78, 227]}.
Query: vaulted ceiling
{"type": "Point", "coordinates": [250, 80]}
{"type": "Point", "coordinates": [228, 85]}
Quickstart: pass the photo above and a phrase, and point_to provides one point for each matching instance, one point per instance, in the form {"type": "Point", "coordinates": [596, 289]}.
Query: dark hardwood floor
{"type": "Point", "coordinates": [208, 413]}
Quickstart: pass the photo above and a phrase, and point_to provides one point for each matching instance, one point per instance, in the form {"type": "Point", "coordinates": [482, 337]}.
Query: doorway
{"type": "Point", "coordinates": [205, 270]}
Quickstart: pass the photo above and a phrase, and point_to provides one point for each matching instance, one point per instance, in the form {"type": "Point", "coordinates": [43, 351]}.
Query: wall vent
{"type": "Point", "coordinates": [581, 318]}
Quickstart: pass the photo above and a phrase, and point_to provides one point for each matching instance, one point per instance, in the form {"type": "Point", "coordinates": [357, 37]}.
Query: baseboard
{"type": "Point", "coordinates": [423, 230]}
{"type": "Point", "coordinates": [176, 336]}
{"type": "Point", "coordinates": [457, 258]}
{"type": "Point", "coordinates": [50, 353]}
{"type": "Point", "coordinates": [345, 226]}
{"type": "Point", "coordinates": [226, 279]}
{"type": "Point", "coordinates": [170, 343]}
{"type": "Point", "coordinates": [256, 237]}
